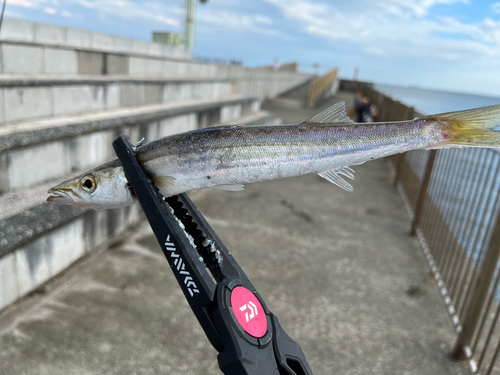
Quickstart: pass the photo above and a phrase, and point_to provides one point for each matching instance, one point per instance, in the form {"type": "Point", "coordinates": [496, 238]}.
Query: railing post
{"type": "Point", "coordinates": [386, 110]}
{"type": "Point", "coordinates": [480, 293]}
{"type": "Point", "coordinates": [422, 192]}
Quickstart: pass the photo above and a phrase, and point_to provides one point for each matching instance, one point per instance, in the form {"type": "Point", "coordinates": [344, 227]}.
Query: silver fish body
{"type": "Point", "coordinates": [239, 155]}
{"type": "Point", "coordinates": [228, 157]}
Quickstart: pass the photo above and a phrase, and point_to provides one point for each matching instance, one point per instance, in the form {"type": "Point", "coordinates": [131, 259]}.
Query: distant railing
{"type": "Point", "coordinates": [387, 108]}
{"type": "Point", "coordinates": [213, 60]}
{"type": "Point", "coordinates": [321, 85]}
{"type": "Point", "coordinates": [452, 197]}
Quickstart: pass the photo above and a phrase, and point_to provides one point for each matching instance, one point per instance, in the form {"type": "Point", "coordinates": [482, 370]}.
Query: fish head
{"type": "Point", "coordinates": [101, 188]}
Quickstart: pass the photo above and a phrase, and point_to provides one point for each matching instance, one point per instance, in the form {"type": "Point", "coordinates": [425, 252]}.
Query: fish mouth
{"type": "Point", "coordinates": [59, 195]}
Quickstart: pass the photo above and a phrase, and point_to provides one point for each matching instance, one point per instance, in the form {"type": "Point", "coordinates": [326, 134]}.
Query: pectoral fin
{"type": "Point", "coordinates": [334, 177]}
{"type": "Point", "coordinates": [229, 187]}
{"type": "Point", "coordinates": [164, 180]}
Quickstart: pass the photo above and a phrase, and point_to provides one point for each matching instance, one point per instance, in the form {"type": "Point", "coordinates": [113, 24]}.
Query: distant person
{"type": "Point", "coordinates": [367, 111]}
{"type": "Point", "coordinates": [373, 112]}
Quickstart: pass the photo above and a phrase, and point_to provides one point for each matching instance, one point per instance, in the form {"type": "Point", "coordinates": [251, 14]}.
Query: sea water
{"type": "Point", "coordinates": [429, 102]}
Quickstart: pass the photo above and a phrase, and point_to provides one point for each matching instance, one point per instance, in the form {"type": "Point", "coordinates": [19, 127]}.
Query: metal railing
{"type": "Point", "coordinates": [452, 198]}
{"type": "Point", "coordinates": [321, 85]}
{"type": "Point", "coordinates": [214, 60]}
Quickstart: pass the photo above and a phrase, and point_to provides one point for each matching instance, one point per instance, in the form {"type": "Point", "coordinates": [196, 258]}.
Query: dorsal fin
{"type": "Point", "coordinates": [334, 114]}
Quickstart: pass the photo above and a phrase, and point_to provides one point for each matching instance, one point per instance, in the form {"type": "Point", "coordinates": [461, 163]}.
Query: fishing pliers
{"type": "Point", "coordinates": [237, 322]}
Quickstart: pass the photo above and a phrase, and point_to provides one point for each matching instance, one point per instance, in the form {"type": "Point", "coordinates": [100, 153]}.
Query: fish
{"type": "Point", "coordinates": [228, 157]}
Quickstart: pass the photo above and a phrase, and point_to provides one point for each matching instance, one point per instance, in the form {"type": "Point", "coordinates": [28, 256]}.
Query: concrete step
{"type": "Point", "coordinates": [289, 103]}
{"type": "Point", "coordinates": [38, 240]}
{"type": "Point", "coordinates": [22, 58]}
{"type": "Point", "coordinates": [38, 58]}
{"type": "Point", "coordinates": [299, 92]}
{"type": "Point", "coordinates": [34, 152]}
{"type": "Point", "coordinates": [24, 98]}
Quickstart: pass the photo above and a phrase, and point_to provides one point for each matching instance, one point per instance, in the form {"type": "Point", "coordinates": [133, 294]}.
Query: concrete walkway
{"type": "Point", "coordinates": [337, 268]}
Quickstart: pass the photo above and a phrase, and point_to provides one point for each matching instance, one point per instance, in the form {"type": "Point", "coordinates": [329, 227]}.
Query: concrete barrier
{"type": "Point", "coordinates": [65, 235]}
{"type": "Point", "coordinates": [32, 98]}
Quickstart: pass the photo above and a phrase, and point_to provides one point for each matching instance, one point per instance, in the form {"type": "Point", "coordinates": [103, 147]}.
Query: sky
{"type": "Point", "coordinates": [451, 45]}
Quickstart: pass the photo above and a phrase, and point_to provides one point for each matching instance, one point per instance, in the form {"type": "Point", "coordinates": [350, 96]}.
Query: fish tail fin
{"type": "Point", "coordinates": [472, 128]}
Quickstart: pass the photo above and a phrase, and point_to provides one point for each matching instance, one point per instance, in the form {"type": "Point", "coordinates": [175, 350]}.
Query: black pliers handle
{"type": "Point", "coordinates": [233, 315]}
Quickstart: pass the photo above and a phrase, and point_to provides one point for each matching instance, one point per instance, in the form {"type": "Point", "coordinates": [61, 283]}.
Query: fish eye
{"type": "Point", "coordinates": [88, 183]}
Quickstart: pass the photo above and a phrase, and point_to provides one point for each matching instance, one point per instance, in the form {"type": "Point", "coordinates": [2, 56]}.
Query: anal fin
{"type": "Point", "coordinates": [333, 176]}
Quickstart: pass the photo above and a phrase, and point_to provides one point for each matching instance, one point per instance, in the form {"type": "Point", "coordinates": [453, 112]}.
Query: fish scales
{"type": "Point", "coordinates": [239, 155]}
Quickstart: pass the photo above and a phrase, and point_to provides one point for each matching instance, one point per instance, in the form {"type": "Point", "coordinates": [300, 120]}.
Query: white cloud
{"type": "Point", "coordinates": [235, 21]}
{"type": "Point", "coordinates": [33, 3]}
{"type": "Point", "coordinates": [24, 3]}
{"type": "Point", "coordinates": [262, 19]}
{"type": "Point", "coordinates": [155, 11]}
{"type": "Point", "coordinates": [418, 8]}
{"type": "Point", "coordinates": [396, 28]}
{"type": "Point", "coordinates": [170, 13]}
{"type": "Point", "coordinates": [495, 7]}
{"type": "Point", "coordinates": [65, 13]}
{"type": "Point", "coordinates": [174, 13]}
{"type": "Point", "coordinates": [86, 4]}
{"type": "Point", "coordinates": [167, 21]}
{"type": "Point", "coordinates": [376, 51]}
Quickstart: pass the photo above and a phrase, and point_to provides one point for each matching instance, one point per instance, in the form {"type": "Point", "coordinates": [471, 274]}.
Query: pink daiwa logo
{"type": "Point", "coordinates": [253, 310]}
{"type": "Point", "coordinates": [248, 312]}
